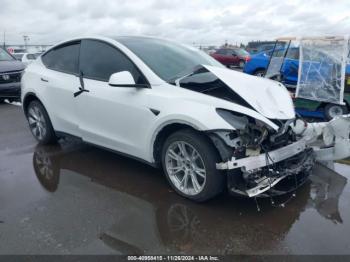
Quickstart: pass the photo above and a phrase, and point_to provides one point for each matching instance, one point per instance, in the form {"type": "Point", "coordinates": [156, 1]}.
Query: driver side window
{"type": "Point", "coordinates": [99, 60]}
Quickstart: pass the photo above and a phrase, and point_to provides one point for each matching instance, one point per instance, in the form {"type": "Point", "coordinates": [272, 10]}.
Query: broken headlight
{"type": "Point", "coordinates": [252, 132]}
{"type": "Point", "coordinates": [235, 120]}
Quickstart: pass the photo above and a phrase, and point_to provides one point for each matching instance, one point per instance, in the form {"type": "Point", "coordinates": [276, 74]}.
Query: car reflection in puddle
{"type": "Point", "coordinates": [159, 221]}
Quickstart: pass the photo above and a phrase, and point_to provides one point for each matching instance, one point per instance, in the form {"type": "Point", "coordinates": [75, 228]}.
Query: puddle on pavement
{"type": "Point", "coordinates": [127, 207]}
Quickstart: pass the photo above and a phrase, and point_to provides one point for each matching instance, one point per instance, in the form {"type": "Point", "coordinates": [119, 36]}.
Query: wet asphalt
{"type": "Point", "coordinates": [74, 198]}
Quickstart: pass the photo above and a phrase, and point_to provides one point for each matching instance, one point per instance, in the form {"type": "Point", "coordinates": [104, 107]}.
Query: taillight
{"type": "Point", "coordinates": [247, 59]}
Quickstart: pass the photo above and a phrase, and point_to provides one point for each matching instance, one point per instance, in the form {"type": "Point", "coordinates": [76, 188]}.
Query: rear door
{"type": "Point", "coordinates": [59, 81]}
{"type": "Point", "coordinates": [220, 55]}
{"type": "Point", "coordinates": [234, 57]}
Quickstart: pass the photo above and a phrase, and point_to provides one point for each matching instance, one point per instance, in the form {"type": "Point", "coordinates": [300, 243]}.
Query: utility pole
{"type": "Point", "coordinates": [26, 39]}
{"type": "Point", "coordinates": [4, 39]}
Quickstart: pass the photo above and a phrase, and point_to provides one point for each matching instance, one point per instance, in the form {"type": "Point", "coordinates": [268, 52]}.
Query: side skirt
{"type": "Point", "coordinates": [61, 134]}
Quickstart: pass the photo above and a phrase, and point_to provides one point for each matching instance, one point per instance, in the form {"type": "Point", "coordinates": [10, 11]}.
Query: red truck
{"type": "Point", "coordinates": [232, 57]}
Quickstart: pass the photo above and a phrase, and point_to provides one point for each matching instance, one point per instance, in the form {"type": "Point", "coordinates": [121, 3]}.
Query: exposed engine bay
{"type": "Point", "coordinates": [257, 158]}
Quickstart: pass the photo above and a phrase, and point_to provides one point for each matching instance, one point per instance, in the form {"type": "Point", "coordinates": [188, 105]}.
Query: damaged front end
{"type": "Point", "coordinates": [266, 145]}
{"type": "Point", "coordinates": [257, 157]}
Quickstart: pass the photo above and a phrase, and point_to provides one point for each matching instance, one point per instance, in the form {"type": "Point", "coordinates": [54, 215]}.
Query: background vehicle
{"type": "Point", "coordinates": [181, 110]}
{"type": "Point", "coordinates": [258, 63]}
{"type": "Point", "coordinates": [232, 57]}
{"type": "Point", "coordinates": [289, 71]}
{"type": "Point", "coordinates": [25, 58]}
{"type": "Point", "coordinates": [10, 76]}
{"type": "Point", "coordinates": [256, 47]}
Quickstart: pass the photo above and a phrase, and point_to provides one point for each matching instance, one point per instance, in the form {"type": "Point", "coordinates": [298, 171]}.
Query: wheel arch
{"type": "Point", "coordinates": [322, 105]}
{"type": "Point", "coordinates": [165, 131]}
{"type": "Point", "coordinates": [29, 97]}
{"type": "Point", "coordinates": [259, 69]}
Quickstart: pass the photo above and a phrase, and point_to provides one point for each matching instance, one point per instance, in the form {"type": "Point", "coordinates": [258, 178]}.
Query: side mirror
{"type": "Point", "coordinates": [122, 79]}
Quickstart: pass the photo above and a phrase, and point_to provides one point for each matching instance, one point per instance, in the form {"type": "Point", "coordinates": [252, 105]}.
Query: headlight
{"type": "Point", "coordinates": [238, 122]}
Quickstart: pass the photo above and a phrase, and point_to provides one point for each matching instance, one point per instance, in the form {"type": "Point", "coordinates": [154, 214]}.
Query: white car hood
{"type": "Point", "coordinates": [268, 97]}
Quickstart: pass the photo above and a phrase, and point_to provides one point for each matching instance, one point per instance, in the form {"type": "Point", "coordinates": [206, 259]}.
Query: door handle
{"type": "Point", "coordinates": [82, 87]}
{"type": "Point", "coordinates": [44, 80]}
{"type": "Point", "coordinates": [81, 90]}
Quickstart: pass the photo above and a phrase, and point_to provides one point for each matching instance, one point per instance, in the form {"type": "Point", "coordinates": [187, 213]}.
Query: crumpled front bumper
{"type": "Point", "coordinates": [279, 162]}
{"type": "Point", "coordinates": [321, 141]}
{"type": "Point", "coordinates": [254, 162]}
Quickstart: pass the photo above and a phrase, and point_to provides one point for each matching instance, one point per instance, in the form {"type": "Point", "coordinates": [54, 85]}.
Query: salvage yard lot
{"type": "Point", "coordinates": [77, 199]}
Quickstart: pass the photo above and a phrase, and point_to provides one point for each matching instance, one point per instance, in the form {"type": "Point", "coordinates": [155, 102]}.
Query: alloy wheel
{"type": "Point", "coordinates": [37, 122]}
{"type": "Point", "coordinates": [185, 168]}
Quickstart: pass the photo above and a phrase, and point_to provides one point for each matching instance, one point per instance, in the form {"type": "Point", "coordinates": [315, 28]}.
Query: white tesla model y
{"type": "Point", "coordinates": [175, 107]}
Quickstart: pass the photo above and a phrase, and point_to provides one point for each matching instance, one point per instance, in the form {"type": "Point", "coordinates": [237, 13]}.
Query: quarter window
{"type": "Point", "coordinates": [63, 58]}
{"type": "Point", "coordinates": [99, 61]}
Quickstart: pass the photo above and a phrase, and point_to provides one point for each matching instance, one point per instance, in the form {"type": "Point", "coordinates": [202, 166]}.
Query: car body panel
{"type": "Point", "coordinates": [10, 77]}
{"type": "Point", "coordinates": [55, 90]}
{"type": "Point", "coordinates": [258, 61]}
{"type": "Point", "coordinates": [268, 97]}
{"type": "Point", "coordinates": [197, 110]}
{"type": "Point", "coordinates": [113, 116]}
{"type": "Point", "coordinates": [8, 66]}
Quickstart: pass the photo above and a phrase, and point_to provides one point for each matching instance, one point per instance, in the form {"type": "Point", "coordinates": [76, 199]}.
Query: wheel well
{"type": "Point", "coordinates": [27, 99]}
{"type": "Point", "coordinates": [259, 69]}
{"type": "Point", "coordinates": [164, 133]}
{"type": "Point", "coordinates": [323, 105]}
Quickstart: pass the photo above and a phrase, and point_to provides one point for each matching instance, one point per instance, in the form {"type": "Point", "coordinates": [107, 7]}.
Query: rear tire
{"type": "Point", "coordinates": [333, 110]}
{"type": "Point", "coordinates": [40, 124]}
{"type": "Point", "coordinates": [259, 73]}
{"type": "Point", "coordinates": [189, 163]}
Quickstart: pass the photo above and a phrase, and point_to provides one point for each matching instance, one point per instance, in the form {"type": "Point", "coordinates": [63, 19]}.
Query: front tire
{"type": "Point", "coordinates": [259, 73]}
{"type": "Point", "coordinates": [40, 124]}
{"type": "Point", "coordinates": [189, 163]}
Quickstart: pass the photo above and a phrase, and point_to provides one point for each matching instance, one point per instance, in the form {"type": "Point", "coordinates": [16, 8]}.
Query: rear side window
{"type": "Point", "coordinates": [64, 58]}
{"type": "Point", "coordinates": [99, 61]}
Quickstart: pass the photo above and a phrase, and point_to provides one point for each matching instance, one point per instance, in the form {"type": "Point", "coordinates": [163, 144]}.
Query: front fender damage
{"type": "Point", "coordinates": [288, 153]}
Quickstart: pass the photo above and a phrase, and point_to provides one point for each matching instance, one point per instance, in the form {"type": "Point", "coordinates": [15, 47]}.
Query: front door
{"type": "Point", "coordinates": [109, 116]}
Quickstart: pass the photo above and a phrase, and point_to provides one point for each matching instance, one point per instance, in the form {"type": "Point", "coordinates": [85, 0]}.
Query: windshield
{"type": "Point", "coordinates": [4, 56]}
{"type": "Point", "coordinates": [169, 60]}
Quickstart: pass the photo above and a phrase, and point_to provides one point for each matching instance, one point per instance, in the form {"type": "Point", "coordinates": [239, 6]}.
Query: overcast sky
{"type": "Point", "coordinates": [190, 21]}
